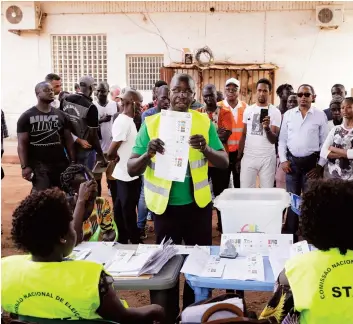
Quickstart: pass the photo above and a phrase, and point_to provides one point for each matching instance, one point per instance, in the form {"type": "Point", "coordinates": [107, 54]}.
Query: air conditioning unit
{"type": "Point", "coordinates": [329, 16]}
{"type": "Point", "coordinates": [21, 15]}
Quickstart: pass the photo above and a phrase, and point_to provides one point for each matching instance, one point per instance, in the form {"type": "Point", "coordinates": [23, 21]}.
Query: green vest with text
{"type": "Point", "coordinates": [156, 189]}
{"type": "Point", "coordinates": [53, 290]}
{"type": "Point", "coordinates": [322, 286]}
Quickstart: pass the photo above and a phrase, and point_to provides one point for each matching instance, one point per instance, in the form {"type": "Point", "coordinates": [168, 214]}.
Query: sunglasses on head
{"type": "Point", "coordinates": [306, 94]}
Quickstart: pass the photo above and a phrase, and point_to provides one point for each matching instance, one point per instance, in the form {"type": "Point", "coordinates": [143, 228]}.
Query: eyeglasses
{"type": "Point", "coordinates": [306, 94]}
{"type": "Point", "coordinates": [179, 91]}
{"type": "Point", "coordinates": [232, 89]}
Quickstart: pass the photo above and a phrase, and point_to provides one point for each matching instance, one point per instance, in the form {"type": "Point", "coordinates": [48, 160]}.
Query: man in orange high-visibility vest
{"type": "Point", "coordinates": [237, 108]}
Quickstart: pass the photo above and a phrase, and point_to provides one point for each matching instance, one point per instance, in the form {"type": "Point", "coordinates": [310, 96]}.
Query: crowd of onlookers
{"type": "Point", "coordinates": [68, 140]}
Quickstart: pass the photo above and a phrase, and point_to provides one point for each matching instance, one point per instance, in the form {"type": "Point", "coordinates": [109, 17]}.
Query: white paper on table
{"type": "Point", "coordinates": [277, 261]}
{"type": "Point", "coordinates": [174, 131]}
{"type": "Point", "coordinates": [80, 254]}
{"type": "Point", "coordinates": [143, 248]}
{"type": "Point", "coordinates": [196, 262]}
{"type": "Point", "coordinates": [248, 243]}
{"type": "Point", "coordinates": [187, 249]}
{"type": "Point", "coordinates": [214, 267]}
{"type": "Point", "coordinates": [249, 268]}
{"type": "Point", "coordinates": [301, 247]}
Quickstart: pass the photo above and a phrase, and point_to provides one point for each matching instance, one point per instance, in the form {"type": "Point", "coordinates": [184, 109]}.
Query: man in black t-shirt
{"type": "Point", "coordinates": [83, 115]}
{"type": "Point", "coordinates": [41, 131]}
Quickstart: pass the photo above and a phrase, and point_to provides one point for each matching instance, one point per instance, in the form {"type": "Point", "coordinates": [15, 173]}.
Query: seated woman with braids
{"type": "Point", "coordinates": [46, 284]}
{"type": "Point", "coordinates": [317, 287]}
{"type": "Point", "coordinates": [98, 223]}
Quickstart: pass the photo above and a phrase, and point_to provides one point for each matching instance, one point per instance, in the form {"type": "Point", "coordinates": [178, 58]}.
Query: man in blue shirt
{"type": "Point", "coordinates": [163, 102]}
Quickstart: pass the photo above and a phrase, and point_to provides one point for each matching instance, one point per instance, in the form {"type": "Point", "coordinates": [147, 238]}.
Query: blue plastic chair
{"type": "Point", "coordinates": [295, 203]}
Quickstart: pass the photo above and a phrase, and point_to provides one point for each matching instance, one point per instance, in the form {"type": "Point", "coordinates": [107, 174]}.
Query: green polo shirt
{"type": "Point", "coordinates": [181, 193]}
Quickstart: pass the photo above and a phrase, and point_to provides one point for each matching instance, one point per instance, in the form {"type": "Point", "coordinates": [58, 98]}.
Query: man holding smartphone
{"type": "Point", "coordinates": [257, 152]}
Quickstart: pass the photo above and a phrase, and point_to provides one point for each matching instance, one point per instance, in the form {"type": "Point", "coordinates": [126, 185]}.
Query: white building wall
{"type": "Point", "coordinates": [289, 39]}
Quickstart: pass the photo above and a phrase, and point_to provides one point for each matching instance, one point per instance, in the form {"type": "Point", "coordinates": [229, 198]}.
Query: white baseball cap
{"type": "Point", "coordinates": [233, 81]}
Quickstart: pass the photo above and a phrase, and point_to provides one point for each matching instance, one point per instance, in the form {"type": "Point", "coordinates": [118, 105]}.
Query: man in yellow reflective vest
{"type": "Point", "coordinates": [182, 210]}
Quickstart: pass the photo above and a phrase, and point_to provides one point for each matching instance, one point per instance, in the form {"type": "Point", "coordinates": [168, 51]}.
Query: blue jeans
{"type": "Point", "coordinates": [86, 158]}
{"type": "Point", "coordinates": [142, 210]}
{"type": "Point", "coordinates": [296, 181]}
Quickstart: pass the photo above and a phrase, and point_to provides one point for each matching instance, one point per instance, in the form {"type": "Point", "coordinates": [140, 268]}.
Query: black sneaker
{"type": "Point", "coordinates": [143, 234]}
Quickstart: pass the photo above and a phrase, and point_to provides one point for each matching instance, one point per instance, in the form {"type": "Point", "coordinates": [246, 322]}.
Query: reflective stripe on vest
{"type": "Point", "coordinates": [235, 130]}
{"type": "Point", "coordinates": [157, 190]}
{"type": "Point", "coordinates": [234, 142]}
{"type": "Point", "coordinates": [201, 184]}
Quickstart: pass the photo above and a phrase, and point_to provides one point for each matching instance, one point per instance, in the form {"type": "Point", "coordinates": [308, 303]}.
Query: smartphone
{"type": "Point", "coordinates": [263, 114]}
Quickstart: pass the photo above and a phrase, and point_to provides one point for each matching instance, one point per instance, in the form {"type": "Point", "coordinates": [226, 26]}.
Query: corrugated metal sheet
{"type": "Point", "coordinates": [247, 77]}
{"type": "Point", "coordinates": [75, 7]}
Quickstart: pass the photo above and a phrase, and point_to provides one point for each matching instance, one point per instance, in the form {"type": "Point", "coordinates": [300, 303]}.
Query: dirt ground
{"type": "Point", "coordinates": [14, 189]}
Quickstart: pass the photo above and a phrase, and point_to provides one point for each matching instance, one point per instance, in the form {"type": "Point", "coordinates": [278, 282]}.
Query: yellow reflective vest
{"type": "Point", "coordinates": [156, 189]}
{"type": "Point", "coordinates": [322, 286]}
{"type": "Point", "coordinates": [53, 290]}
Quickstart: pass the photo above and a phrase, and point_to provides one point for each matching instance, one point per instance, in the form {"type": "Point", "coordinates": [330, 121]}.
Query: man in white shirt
{"type": "Point", "coordinates": [106, 110]}
{"type": "Point", "coordinates": [128, 188]}
{"type": "Point", "coordinates": [258, 139]}
{"type": "Point", "coordinates": [304, 130]}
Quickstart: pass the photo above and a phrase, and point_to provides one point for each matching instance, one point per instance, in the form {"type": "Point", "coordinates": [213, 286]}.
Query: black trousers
{"type": "Point", "coordinates": [220, 181]}
{"type": "Point", "coordinates": [189, 224]}
{"type": "Point", "coordinates": [47, 175]}
{"type": "Point", "coordinates": [113, 189]}
{"type": "Point", "coordinates": [125, 216]}
{"type": "Point", "coordinates": [231, 169]}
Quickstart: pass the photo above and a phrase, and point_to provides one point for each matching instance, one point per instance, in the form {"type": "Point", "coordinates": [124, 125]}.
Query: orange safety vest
{"type": "Point", "coordinates": [238, 126]}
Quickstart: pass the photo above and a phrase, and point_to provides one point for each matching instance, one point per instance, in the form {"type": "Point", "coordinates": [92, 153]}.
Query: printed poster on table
{"type": "Point", "coordinates": [174, 131]}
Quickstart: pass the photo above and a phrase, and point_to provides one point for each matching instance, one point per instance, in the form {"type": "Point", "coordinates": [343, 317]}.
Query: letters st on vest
{"type": "Point", "coordinates": [77, 115]}
{"type": "Point", "coordinates": [157, 190]}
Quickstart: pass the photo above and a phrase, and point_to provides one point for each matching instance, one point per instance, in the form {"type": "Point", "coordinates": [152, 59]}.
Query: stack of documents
{"type": "Point", "coordinates": [150, 262]}
{"type": "Point", "coordinates": [181, 249]}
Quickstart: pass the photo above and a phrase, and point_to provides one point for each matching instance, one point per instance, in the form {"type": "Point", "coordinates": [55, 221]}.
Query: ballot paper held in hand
{"type": "Point", "coordinates": [174, 131]}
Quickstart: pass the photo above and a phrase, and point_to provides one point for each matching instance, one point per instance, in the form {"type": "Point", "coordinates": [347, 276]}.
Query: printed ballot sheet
{"type": "Point", "coordinates": [200, 263]}
{"type": "Point", "coordinates": [174, 131]}
{"type": "Point", "coordinates": [247, 243]}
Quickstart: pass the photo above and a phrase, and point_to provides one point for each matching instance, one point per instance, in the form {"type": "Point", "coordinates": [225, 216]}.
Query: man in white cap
{"type": "Point", "coordinates": [83, 115]}
{"type": "Point", "coordinates": [237, 108]}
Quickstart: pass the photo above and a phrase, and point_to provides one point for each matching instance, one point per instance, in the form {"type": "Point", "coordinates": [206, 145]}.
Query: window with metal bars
{"type": "Point", "coordinates": [74, 56]}
{"type": "Point", "coordinates": [143, 71]}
